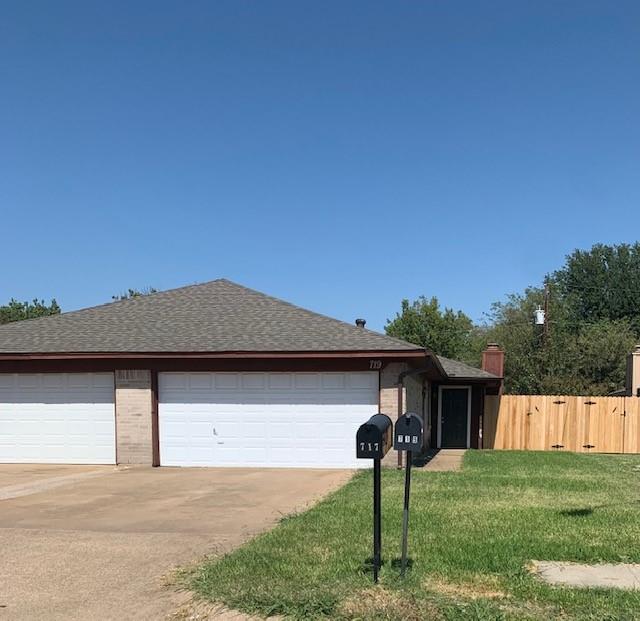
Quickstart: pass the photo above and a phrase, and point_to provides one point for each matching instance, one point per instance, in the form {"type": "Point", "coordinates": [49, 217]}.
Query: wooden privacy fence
{"type": "Point", "coordinates": [559, 423]}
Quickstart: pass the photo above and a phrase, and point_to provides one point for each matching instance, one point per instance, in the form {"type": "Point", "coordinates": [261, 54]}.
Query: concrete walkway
{"type": "Point", "coordinates": [619, 576]}
{"type": "Point", "coordinates": [444, 460]}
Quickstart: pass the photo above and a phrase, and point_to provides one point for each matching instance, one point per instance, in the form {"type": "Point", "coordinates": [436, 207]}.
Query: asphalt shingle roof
{"type": "Point", "coordinates": [459, 370]}
{"type": "Point", "coordinates": [218, 316]}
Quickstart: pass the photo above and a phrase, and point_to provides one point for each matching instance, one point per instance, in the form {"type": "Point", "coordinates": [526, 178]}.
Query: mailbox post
{"type": "Point", "coordinates": [407, 437]}
{"type": "Point", "coordinates": [373, 441]}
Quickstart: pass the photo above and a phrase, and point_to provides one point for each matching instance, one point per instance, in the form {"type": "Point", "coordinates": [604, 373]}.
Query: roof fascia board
{"type": "Point", "coordinates": [213, 355]}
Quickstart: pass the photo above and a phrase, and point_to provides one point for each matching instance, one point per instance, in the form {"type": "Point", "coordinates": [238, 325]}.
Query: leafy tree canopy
{"type": "Point", "coordinates": [602, 283]}
{"type": "Point", "coordinates": [423, 322]}
{"type": "Point", "coordinates": [574, 358]}
{"type": "Point", "coordinates": [593, 323]}
{"type": "Point", "coordinates": [17, 311]}
{"type": "Point", "coordinates": [134, 293]}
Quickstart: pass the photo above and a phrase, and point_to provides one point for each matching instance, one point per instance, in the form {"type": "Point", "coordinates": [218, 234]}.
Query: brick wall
{"type": "Point", "coordinates": [389, 400]}
{"type": "Point", "coordinates": [633, 372]}
{"type": "Point", "coordinates": [133, 417]}
{"type": "Point", "coordinates": [417, 401]}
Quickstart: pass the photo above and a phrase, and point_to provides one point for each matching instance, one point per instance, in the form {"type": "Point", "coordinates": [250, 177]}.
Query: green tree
{"type": "Point", "coordinates": [17, 311]}
{"type": "Point", "coordinates": [572, 358]}
{"type": "Point", "coordinates": [600, 356]}
{"type": "Point", "coordinates": [134, 293]}
{"type": "Point", "coordinates": [592, 324]}
{"type": "Point", "coordinates": [445, 332]}
{"type": "Point", "coordinates": [510, 324]}
{"type": "Point", "coordinates": [602, 283]}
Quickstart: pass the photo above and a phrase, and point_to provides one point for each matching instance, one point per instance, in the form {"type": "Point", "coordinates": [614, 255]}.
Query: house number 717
{"type": "Point", "coordinates": [368, 445]}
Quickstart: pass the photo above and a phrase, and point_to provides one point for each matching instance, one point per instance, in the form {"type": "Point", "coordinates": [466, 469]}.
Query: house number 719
{"type": "Point", "coordinates": [375, 365]}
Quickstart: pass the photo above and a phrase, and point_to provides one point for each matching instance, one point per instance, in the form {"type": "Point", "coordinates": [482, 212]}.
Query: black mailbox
{"type": "Point", "coordinates": [408, 433]}
{"type": "Point", "coordinates": [374, 438]}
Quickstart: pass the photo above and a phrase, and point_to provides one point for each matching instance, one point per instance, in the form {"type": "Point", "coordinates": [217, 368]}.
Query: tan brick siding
{"type": "Point", "coordinates": [633, 372]}
{"type": "Point", "coordinates": [389, 400]}
{"type": "Point", "coordinates": [133, 417]}
{"type": "Point", "coordinates": [417, 402]}
{"type": "Point", "coordinates": [413, 389]}
{"type": "Point", "coordinates": [412, 400]}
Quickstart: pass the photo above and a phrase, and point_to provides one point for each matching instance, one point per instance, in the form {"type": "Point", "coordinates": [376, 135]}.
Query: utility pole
{"type": "Point", "coordinates": [545, 327]}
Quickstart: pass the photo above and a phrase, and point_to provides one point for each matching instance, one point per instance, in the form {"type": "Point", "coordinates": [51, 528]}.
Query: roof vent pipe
{"type": "Point", "coordinates": [360, 323]}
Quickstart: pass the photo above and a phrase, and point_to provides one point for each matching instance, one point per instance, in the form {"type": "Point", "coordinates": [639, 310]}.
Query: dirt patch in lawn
{"type": "Point", "coordinates": [383, 603]}
{"type": "Point", "coordinates": [479, 587]}
{"type": "Point", "coordinates": [198, 610]}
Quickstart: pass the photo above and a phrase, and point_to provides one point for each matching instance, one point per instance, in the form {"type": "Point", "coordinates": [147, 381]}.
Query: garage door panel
{"type": "Point", "coordinates": [173, 428]}
{"type": "Point", "coordinates": [25, 380]}
{"type": "Point", "coordinates": [200, 456]}
{"type": "Point", "coordinates": [200, 428]}
{"type": "Point", "coordinates": [25, 398]}
{"type": "Point", "coordinates": [362, 381]}
{"type": "Point", "coordinates": [199, 381]}
{"type": "Point", "coordinates": [335, 381]}
{"type": "Point", "coordinates": [235, 400]}
{"type": "Point", "coordinates": [253, 381]}
{"type": "Point", "coordinates": [80, 380]}
{"type": "Point", "coordinates": [55, 380]}
{"type": "Point", "coordinates": [253, 454]}
{"type": "Point", "coordinates": [228, 381]}
{"type": "Point", "coordinates": [280, 381]}
{"type": "Point", "coordinates": [281, 455]}
{"type": "Point", "coordinates": [264, 419]}
{"type": "Point", "coordinates": [251, 430]}
{"type": "Point", "coordinates": [301, 443]}
{"type": "Point", "coordinates": [334, 430]}
{"type": "Point", "coordinates": [307, 381]}
{"type": "Point", "coordinates": [279, 429]}
{"type": "Point", "coordinates": [331, 453]}
{"type": "Point", "coordinates": [173, 381]}
{"type": "Point", "coordinates": [103, 380]}
{"type": "Point", "coordinates": [309, 455]}
{"type": "Point", "coordinates": [57, 418]}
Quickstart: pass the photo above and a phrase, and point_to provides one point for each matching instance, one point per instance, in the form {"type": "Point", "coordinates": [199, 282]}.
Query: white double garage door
{"type": "Point", "coordinates": [304, 420]}
{"type": "Point", "coordinates": [57, 418]}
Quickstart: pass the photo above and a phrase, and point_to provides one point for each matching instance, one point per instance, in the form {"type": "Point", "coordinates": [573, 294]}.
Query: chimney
{"type": "Point", "coordinates": [360, 323]}
{"type": "Point", "coordinates": [633, 372]}
{"type": "Point", "coordinates": [493, 360]}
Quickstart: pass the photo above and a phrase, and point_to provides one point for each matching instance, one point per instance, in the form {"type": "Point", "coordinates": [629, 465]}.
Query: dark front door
{"type": "Point", "coordinates": [454, 417]}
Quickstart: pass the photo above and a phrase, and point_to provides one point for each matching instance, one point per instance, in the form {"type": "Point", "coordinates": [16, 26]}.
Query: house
{"type": "Point", "coordinates": [218, 375]}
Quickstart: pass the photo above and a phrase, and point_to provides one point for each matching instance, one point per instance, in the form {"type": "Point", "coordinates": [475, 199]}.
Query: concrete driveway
{"type": "Point", "coordinates": [89, 542]}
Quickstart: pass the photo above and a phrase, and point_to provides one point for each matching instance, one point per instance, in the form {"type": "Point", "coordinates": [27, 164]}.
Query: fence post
{"type": "Point", "coordinates": [633, 373]}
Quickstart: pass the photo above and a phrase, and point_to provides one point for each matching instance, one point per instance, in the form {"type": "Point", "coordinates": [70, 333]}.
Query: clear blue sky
{"type": "Point", "coordinates": [341, 155]}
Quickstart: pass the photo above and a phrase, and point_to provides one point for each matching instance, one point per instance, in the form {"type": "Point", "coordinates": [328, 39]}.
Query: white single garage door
{"type": "Point", "coordinates": [295, 420]}
{"type": "Point", "coordinates": [61, 418]}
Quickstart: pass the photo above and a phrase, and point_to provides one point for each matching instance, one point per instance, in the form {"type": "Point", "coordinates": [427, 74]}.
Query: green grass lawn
{"type": "Point", "coordinates": [472, 534]}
